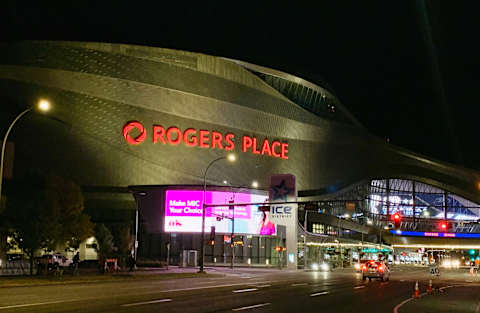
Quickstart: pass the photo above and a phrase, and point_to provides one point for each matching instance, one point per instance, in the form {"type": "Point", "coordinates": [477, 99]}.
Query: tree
{"type": "Point", "coordinates": [123, 240]}
{"type": "Point", "coordinates": [105, 241]}
{"type": "Point", "coordinates": [26, 214]}
{"type": "Point", "coordinates": [46, 213]}
{"type": "Point", "coordinates": [69, 225]}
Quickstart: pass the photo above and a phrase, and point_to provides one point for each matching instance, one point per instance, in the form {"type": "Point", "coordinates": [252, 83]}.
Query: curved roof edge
{"type": "Point", "coordinates": [300, 81]}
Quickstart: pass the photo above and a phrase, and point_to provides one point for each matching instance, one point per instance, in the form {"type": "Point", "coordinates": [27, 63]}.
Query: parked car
{"type": "Point", "coordinates": [55, 260]}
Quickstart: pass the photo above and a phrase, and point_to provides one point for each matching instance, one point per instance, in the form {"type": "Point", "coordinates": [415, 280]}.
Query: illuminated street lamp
{"type": "Point", "coordinates": [231, 157]}
{"type": "Point", "coordinates": [42, 105]}
{"type": "Point", "coordinates": [255, 184]}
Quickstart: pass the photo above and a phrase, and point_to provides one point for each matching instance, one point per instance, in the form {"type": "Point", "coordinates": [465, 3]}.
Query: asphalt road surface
{"type": "Point", "coordinates": [238, 291]}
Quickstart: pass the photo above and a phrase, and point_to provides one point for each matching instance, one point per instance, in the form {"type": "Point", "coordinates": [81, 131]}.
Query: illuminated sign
{"type": "Point", "coordinates": [204, 139]}
{"type": "Point", "coordinates": [183, 213]}
{"type": "Point", "coordinates": [374, 250]}
{"type": "Point", "coordinates": [435, 234]}
{"type": "Point", "coordinates": [131, 126]}
{"type": "Point", "coordinates": [283, 189]}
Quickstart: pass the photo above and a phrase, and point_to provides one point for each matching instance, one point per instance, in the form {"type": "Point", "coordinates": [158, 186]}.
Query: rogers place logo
{"type": "Point", "coordinates": [134, 125]}
{"type": "Point", "coordinates": [205, 139]}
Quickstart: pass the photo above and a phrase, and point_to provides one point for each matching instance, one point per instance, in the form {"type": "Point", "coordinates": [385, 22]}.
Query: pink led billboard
{"type": "Point", "coordinates": [183, 212]}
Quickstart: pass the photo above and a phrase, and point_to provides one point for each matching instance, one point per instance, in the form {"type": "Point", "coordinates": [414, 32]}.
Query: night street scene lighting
{"type": "Point", "coordinates": [42, 106]}
{"type": "Point", "coordinates": [231, 158]}
{"type": "Point", "coordinates": [328, 149]}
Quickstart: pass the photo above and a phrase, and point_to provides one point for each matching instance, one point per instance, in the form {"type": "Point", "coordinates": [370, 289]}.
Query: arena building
{"type": "Point", "coordinates": [150, 118]}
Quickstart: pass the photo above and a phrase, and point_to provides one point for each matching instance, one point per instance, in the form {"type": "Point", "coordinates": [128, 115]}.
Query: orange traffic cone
{"type": "Point", "coordinates": [416, 293]}
{"type": "Point", "coordinates": [429, 289]}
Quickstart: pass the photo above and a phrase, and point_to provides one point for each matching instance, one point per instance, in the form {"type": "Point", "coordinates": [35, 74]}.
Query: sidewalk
{"type": "Point", "coordinates": [96, 277]}
{"type": "Point", "coordinates": [449, 299]}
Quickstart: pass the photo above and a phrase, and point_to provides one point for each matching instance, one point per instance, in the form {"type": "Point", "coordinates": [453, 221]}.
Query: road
{"type": "Point", "coordinates": [238, 291]}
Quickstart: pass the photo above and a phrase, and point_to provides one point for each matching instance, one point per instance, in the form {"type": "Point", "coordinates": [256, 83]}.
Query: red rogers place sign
{"type": "Point", "coordinates": [204, 139]}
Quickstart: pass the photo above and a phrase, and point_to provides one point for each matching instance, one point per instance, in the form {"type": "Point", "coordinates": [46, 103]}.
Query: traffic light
{"type": "Point", "coordinates": [397, 219]}
{"type": "Point", "coordinates": [443, 226]}
{"type": "Point", "coordinates": [212, 235]}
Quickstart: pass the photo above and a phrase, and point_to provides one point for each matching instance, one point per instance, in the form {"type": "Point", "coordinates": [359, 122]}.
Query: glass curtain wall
{"type": "Point", "coordinates": [411, 198]}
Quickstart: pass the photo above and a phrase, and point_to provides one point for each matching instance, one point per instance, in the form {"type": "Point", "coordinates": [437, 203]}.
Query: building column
{"type": "Point", "coordinates": [445, 204]}
{"type": "Point", "coordinates": [388, 199]}
{"type": "Point", "coordinates": [413, 202]}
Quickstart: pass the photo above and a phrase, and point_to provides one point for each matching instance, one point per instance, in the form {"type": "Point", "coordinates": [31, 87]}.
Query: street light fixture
{"type": "Point", "coordinates": [255, 184]}
{"type": "Point", "coordinates": [42, 105]}
{"type": "Point", "coordinates": [231, 157]}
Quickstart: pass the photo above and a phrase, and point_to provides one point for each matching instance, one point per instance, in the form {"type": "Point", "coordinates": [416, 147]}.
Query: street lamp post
{"type": "Point", "coordinates": [231, 158]}
{"type": "Point", "coordinates": [42, 105]}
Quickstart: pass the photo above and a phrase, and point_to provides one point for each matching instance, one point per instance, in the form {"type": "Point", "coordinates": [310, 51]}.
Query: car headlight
{"type": "Point", "coordinates": [315, 266]}
{"type": "Point", "coordinates": [357, 266]}
{"type": "Point", "coordinates": [325, 267]}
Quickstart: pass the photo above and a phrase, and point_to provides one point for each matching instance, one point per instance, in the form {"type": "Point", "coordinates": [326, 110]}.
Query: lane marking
{"type": "Point", "coordinates": [147, 302]}
{"type": "Point", "coordinates": [395, 309]}
{"type": "Point", "coordinates": [33, 304]}
{"type": "Point", "coordinates": [359, 287]}
{"type": "Point", "coordinates": [244, 290]}
{"type": "Point", "coordinates": [319, 294]}
{"type": "Point", "coordinates": [251, 307]}
{"type": "Point", "coordinates": [263, 286]}
{"type": "Point", "coordinates": [299, 284]}
{"type": "Point", "coordinates": [201, 287]}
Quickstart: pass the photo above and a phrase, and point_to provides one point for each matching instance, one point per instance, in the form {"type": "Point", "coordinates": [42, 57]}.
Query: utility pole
{"type": "Point", "coordinates": [233, 232]}
{"type": "Point", "coordinates": [305, 251]}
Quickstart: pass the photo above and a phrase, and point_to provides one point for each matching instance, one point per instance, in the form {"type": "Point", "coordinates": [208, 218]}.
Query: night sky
{"type": "Point", "coordinates": [406, 69]}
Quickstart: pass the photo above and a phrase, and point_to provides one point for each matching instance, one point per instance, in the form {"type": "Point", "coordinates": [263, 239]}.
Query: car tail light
{"type": "Point", "coordinates": [381, 268]}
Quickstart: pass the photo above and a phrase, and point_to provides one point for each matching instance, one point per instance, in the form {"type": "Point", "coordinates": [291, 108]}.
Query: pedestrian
{"type": "Point", "coordinates": [131, 263]}
{"type": "Point", "coordinates": [76, 260]}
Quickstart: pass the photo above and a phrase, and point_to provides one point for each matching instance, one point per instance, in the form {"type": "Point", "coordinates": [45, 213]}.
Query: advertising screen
{"type": "Point", "coordinates": [183, 212]}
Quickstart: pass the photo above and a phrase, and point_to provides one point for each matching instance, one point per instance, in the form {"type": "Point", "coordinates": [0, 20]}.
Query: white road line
{"type": "Point", "coordinates": [319, 294]}
{"type": "Point", "coordinates": [398, 306]}
{"type": "Point", "coordinates": [263, 286]}
{"type": "Point", "coordinates": [358, 287]}
{"type": "Point", "coordinates": [32, 304]}
{"type": "Point", "coordinates": [251, 307]}
{"type": "Point", "coordinates": [244, 290]}
{"type": "Point", "coordinates": [201, 287]}
{"type": "Point", "coordinates": [299, 284]}
{"type": "Point", "coordinates": [147, 302]}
